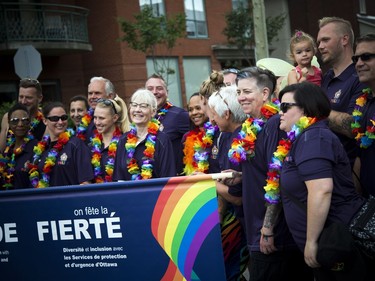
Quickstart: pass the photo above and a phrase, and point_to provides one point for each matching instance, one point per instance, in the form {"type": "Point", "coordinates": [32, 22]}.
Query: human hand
{"type": "Point", "coordinates": [310, 252]}
{"type": "Point", "coordinates": [236, 179]}
{"type": "Point", "coordinates": [267, 242]}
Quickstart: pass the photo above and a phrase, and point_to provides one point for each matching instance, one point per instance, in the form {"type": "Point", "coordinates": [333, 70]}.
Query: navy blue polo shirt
{"type": "Point", "coordinates": [163, 166]}
{"type": "Point", "coordinates": [90, 131]}
{"type": "Point", "coordinates": [367, 155]}
{"type": "Point", "coordinates": [254, 175]}
{"type": "Point", "coordinates": [21, 176]}
{"type": "Point", "coordinates": [72, 164]}
{"type": "Point", "coordinates": [175, 123]}
{"type": "Point", "coordinates": [317, 153]}
{"type": "Point", "coordinates": [342, 92]}
{"type": "Point", "coordinates": [38, 131]}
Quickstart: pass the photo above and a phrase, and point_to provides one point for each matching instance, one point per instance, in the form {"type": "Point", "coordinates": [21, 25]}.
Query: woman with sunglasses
{"type": "Point", "coordinates": [111, 121]}
{"type": "Point", "coordinates": [144, 152]}
{"type": "Point", "coordinates": [316, 172]}
{"type": "Point", "coordinates": [60, 158]}
{"type": "Point", "coordinates": [18, 150]}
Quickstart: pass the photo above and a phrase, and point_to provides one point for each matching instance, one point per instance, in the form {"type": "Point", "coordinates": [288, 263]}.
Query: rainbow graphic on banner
{"type": "Point", "coordinates": [184, 215]}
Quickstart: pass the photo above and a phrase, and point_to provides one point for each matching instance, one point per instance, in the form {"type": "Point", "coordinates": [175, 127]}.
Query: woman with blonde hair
{"type": "Point", "coordinates": [111, 121]}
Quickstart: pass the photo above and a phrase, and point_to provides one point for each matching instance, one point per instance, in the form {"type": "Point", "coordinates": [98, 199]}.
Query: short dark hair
{"type": "Point", "coordinates": [263, 76]}
{"type": "Point", "coordinates": [51, 105]}
{"type": "Point", "coordinates": [80, 98]}
{"type": "Point", "coordinates": [370, 37]}
{"type": "Point", "coordinates": [17, 106]}
{"type": "Point", "coordinates": [31, 83]}
{"type": "Point", "coordinates": [311, 98]}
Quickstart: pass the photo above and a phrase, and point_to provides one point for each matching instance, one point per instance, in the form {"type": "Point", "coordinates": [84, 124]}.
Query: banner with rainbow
{"type": "Point", "coordinates": [159, 229]}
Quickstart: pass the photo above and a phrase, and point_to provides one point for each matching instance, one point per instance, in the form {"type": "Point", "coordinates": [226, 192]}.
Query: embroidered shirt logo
{"type": "Point", "coordinates": [63, 159]}
{"type": "Point", "coordinates": [336, 98]}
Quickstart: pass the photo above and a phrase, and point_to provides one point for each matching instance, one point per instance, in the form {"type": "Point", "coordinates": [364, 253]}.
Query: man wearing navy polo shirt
{"type": "Point", "coordinates": [364, 60]}
{"type": "Point", "coordinates": [174, 121]}
{"type": "Point", "coordinates": [335, 43]}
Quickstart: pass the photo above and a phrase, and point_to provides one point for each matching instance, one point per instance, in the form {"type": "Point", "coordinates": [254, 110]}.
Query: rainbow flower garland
{"type": "Point", "coordinates": [243, 146]}
{"type": "Point", "coordinates": [160, 115]}
{"type": "Point", "coordinates": [147, 164]}
{"type": "Point", "coordinates": [8, 158]}
{"type": "Point", "coordinates": [96, 143]}
{"type": "Point", "coordinates": [196, 149]}
{"type": "Point", "coordinates": [49, 162]}
{"type": "Point", "coordinates": [364, 139]}
{"type": "Point", "coordinates": [85, 122]}
{"type": "Point", "coordinates": [272, 194]}
{"type": "Point", "coordinates": [36, 120]}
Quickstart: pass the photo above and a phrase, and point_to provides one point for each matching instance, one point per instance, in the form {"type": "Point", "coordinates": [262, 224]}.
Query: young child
{"type": "Point", "coordinates": [302, 51]}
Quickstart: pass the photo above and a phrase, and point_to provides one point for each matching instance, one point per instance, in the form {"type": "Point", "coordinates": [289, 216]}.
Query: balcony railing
{"type": "Point", "coordinates": [43, 24]}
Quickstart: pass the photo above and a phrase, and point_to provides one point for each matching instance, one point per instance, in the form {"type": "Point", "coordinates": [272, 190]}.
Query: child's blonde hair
{"type": "Point", "coordinates": [300, 36]}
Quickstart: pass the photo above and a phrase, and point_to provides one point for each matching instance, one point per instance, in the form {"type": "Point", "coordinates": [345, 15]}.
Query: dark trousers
{"type": "Point", "coordinates": [281, 265]}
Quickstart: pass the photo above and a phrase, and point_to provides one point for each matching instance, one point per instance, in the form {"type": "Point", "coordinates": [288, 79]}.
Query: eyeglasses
{"type": "Point", "coordinates": [285, 106]}
{"type": "Point", "coordinates": [142, 106]}
{"type": "Point", "coordinates": [218, 93]}
{"type": "Point", "coordinates": [107, 102]}
{"type": "Point", "coordinates": [57, 118]}
{"type": "Point", "coordinates": [24, 121]}
{"type": "Point", "coordinates": [363, 57]}
{"type": "Point", "coordinates": [231, 70]}
{"type": "Point", "coordinates": [30, 80]}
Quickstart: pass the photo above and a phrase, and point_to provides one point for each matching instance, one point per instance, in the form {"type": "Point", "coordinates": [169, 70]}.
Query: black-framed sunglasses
{"type": "Point", "coordinates": [285, 106]}
{"type": "Point", "coordinates": [107, 102]}
{"type": "Point", "coordinates": [363, 57]}
{"type": "Point", "coordinates": [231, 70]}
{"type": "Point", "coordinates": [24, 121]}
{"type": "Point", "coordinates": [63, 117]}
{"type": "Point", "coordinates": [219, 94]}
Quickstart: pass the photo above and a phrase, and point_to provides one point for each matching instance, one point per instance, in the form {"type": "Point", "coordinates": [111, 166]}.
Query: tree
{"type": "Point", "coordinates": [155, 36]}
{"type": "Point", "coordinates": [240, 26]}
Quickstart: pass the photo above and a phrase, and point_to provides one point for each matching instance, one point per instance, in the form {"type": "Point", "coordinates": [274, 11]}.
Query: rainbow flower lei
{"type": "Point", "coordinates": [85, 122]}
{"type": "Point", "coordinates": [36, 120]}
{"type": "Point", "coordinates": [160, 115]}
{"type": "Point", "coordinates": [96, 143]}
{"type": "Point", "coordinates": [8, 158]}
{"type": "Point", "coordinates": [272, 194]}
{"type": "Point", "coordinates": [364, 139]}
{"type": "Point", "coordinates": [243, 147]}
{"type": "Point", "coordinates": [147, 164]}
{"type": "Point", "coordinates": [196, 149]}
{"type": "Point", "coordinates": [50, 161]}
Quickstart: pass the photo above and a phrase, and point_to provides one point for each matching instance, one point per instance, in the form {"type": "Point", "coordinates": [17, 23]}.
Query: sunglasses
{"type": "Point", "coordinates": [231, 70]}
{"type": "Point", "coordinates": [142, 106]}
{"type": "Point", "coordinates": [30, 80]}
{"type": "Point", "coordinates": [57, 118]}
{"type": "Point", "coordinates": [24, 121]}
{"type": "Point", "coordinates": [218, 93]}
{"type": "Point", "coordinates": [285, 106]}
{"type": "Point", "coordinates": [107, 102]}
{"type": "Point", "coordinates": [363, 57]}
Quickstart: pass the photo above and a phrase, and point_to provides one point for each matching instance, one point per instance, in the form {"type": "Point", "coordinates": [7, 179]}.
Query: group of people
{"type": "Point", "coordinates": [310, 144]}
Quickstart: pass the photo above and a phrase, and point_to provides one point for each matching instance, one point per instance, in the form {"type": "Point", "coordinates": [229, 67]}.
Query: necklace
{"type": "Point", "coordinates": [243, 147]}
{"type": "Point", "coordinates": [8, 158]}
{"type": "Point", "coordinates": [85, 122]}
{"type": "Point", "coordinates": [160, 115]}
{"type": "Point", "coordinates": [36, 120]}
{"type": "Point", "coordinates": [272, 195]}
{"type": "Point", "coordinates": [196, 149]}
{"type": "Point", "coordinates": [49, 162]}
{"type": "Point", "coordinates": [364, 139]}
{"type": "Point", "coordinates": [96, 143]}
{"type": "Point", "coordinates": [148, 159]}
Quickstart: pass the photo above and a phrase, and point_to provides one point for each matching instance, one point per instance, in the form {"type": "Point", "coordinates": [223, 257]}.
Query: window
{"type": "Point", "coordinates": [196, 70]}
{"type": "Point", "coordinates": [172, 80]}
{"type": "Point", "coordinates": [196, 26]}
{"type": "Point", "coordinates": [157, 6]}
{"type": "Point", "coordinates": [236, 4]}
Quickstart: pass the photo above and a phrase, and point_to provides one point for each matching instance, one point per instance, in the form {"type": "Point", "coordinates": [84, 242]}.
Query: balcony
{"type": "Point", "coordinates": [50, 28]}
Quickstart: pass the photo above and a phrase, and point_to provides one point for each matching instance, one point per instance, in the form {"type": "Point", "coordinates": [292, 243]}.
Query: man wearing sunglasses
{"type": "Point", "coordinates": [30, 95]}
{"type": "Point", "coordinates": [364, 120]}
{"type": "Point", "coordinates": [335, 43]}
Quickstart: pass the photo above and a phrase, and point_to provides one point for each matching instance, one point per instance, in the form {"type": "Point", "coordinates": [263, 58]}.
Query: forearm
{"type": "Point", "coordinates": [223, 191]}
{"type": "Point", "coordinates": [270, 218]}
{"type": "Point", "coordinates": [340, 122]}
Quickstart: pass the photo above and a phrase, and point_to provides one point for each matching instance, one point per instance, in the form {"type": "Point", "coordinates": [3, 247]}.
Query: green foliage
{"type": "Point", "coordinates": [239, 29]}
{"type": "Point", "coordinates": [148, 33]}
